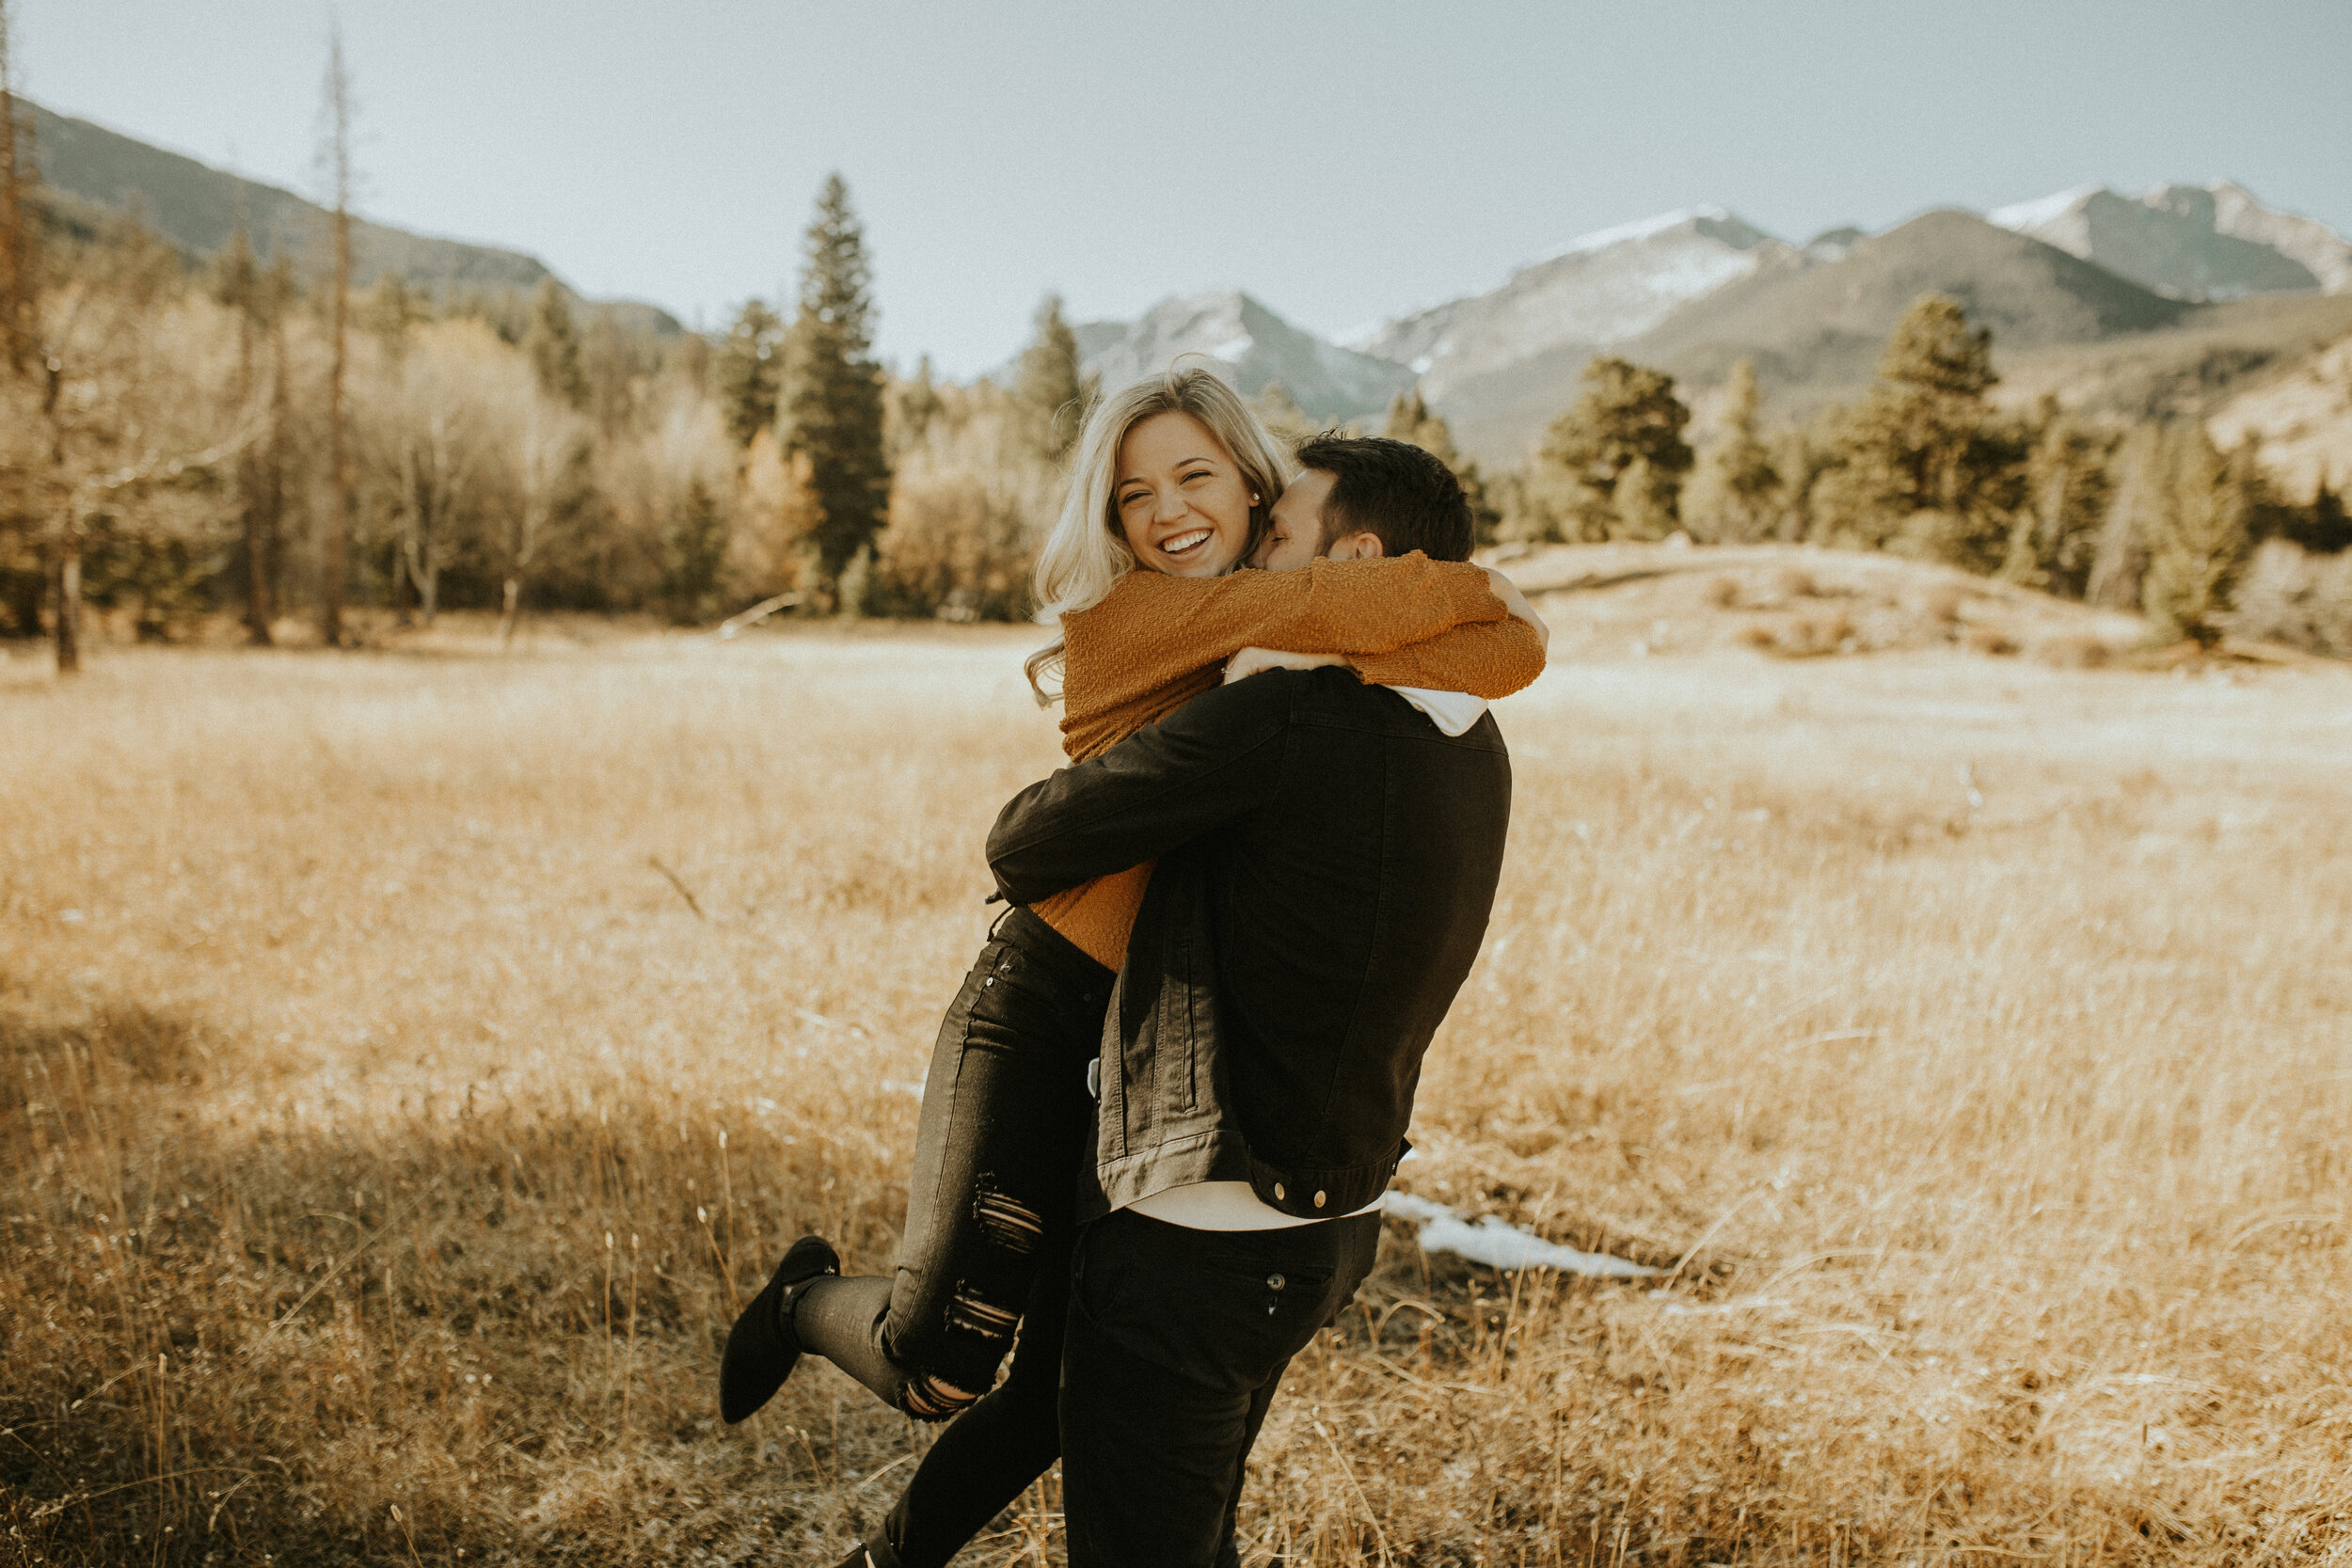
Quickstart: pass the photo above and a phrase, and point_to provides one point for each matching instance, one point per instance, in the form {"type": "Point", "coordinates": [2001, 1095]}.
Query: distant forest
{"type": "Point", "coordinates": [189, 436]}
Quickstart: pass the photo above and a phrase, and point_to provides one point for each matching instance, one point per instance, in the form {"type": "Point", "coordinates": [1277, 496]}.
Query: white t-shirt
{"type": "Point", "coordinates": [1235, 1205]}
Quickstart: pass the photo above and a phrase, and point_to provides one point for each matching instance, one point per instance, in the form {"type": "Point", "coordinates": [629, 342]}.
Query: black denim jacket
{"type": "Point", "coordinates": [1327, 860]}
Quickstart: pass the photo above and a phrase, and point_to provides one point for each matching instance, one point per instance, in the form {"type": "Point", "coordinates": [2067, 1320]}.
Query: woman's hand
{"type": "Point", "coordinates": [1249, 661]}
{"type": "Point", "coordinates": [1516, 602]}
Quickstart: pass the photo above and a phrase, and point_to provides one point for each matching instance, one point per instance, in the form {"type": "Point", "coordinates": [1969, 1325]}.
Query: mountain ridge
{"type": "Point", "coordinates": [1256, 345]}
{"type": "Point", "coordinates": [2191, 242]}
{"type": "Point", "coordinates": [196, 207]}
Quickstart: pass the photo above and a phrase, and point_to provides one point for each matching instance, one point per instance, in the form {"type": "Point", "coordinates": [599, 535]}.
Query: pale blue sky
{"type": "Point", "coordinates": [1342, 161]}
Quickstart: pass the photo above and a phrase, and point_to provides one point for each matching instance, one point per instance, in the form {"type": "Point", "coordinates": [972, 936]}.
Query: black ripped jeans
{"type": "Point", "coordinates": [1006, 1122]}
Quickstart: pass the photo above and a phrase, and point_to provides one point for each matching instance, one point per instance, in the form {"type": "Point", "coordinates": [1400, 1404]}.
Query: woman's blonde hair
{"type": "Point", "coordinates": [1087, 553]}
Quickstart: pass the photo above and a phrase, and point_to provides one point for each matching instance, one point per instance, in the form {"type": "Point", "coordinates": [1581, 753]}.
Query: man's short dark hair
{"type": "Point", "coordinates": [1393, 489]}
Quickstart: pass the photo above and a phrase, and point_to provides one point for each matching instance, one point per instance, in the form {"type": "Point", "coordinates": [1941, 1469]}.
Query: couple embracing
{"type": "Point", "coordinates": [1162, 1108]}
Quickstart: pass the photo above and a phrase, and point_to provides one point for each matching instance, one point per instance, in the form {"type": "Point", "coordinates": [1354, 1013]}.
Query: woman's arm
{"type": "Point", "coordinates": [1153, 630]}
{"type": "Point", "coordinates": [1492, 659]}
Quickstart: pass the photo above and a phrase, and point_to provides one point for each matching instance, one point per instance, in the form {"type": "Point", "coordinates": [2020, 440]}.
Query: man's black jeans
{"type": "Point", "coordinates": [1176, 1343]}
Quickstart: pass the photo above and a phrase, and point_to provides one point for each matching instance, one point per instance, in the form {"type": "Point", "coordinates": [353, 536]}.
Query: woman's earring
{"type": "Point", "coordinates": [1253, 498]}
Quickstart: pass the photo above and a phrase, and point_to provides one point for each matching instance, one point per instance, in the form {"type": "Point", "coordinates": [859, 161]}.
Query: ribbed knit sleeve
{"type": "Point", "coordinates": [1153, 636]}
{"type": "Point", "coordinates": [1490, 660]}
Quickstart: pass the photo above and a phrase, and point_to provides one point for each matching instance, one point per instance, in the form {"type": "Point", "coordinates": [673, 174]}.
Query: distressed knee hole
{"type": "Point", "coordinates": [1010, 1223]}
{"type": "Point", "coordinates": [969, 1311]}
{"type": "Point", "coordinates": [935, 1399]}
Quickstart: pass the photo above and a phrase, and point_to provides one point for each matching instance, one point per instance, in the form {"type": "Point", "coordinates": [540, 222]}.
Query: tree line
{"type": "Point", "coordinates": [2149, 517]}
{"type": "Point", "coordinates": [177, 440]}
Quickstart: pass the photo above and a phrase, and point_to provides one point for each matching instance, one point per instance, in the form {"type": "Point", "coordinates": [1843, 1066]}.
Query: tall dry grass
{"type": "Point", "coordinates": [386, 1141]}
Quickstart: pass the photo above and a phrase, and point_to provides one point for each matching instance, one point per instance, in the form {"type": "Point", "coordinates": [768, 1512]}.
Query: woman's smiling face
{"type": "Point", "coordinates": [1182, 504]}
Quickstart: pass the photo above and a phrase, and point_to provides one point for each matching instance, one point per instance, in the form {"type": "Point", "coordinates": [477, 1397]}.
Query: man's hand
{"type": "Point", "coordinates": [1514, 601]}
{"type": "Point", "coordinates": [1250, 661]}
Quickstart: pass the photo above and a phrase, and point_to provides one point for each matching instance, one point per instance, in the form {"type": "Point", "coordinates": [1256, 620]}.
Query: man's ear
{"type": "Point", "coordinates": [1362, 545]}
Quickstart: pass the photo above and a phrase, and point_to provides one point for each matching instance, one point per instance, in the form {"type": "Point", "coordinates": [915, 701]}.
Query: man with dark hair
{"type": "Point", "coordinates": [1364, 496]}
{"type": "Point", "coordinates": [1326, 860]}
{"type": "Point", "coordinates": [1360, 498]}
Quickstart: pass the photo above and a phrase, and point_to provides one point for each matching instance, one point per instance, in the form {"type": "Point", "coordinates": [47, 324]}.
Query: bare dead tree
{"type": "Point", "coordinates": [336, 153]}
{"type": "Point", "coordinates": [18, 262]}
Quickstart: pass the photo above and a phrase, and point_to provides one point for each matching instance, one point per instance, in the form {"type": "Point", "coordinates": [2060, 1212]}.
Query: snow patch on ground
{"type": "Point", "coordinates": [1500, 1245]}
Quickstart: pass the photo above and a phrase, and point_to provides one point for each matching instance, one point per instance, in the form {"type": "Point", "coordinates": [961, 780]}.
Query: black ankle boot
{"type": "Point", "coordinates": [761, 1348]}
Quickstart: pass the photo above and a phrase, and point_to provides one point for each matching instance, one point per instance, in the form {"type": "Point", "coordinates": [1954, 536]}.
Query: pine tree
{"type": "Point", "coordinates": [1281, 415]}
{"type": "Point", "coordinates": [1627, 413]}
{"type": "Point", "coordinates": [694, 549]}
{"type": "Point", "coordinates": [1731, 495]}
{"type": "Point", "coordinates": [1411, 418]}
{"type": "Point", "coordinates": [2054, 539]}
{"type": "Point", "coordinates": [1922, 458]}
{"type": "Point", "coordinates": [748, 370]}
{"type": "Point", "coordinates": [832, 390]}
{"type": "Point", "coordinates": [552, 345]}
{"type": "Point", "coordinates": [2201, 539]}
{"type": "Point", "coordinates": [2138, 493]}
{"type": "Point", "coordinates": [913, 404]}
{"type": "Point", "coordinates": [1051, 389]}
{"type": "Point", "coordinates": [2323, 528]}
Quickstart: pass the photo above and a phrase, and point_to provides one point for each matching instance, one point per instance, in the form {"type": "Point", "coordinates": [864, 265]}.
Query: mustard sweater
{"type": "Point", "coordinates": [1155, 642]}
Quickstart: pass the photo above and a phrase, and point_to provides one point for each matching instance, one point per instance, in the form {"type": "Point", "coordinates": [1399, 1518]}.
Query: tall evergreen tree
{"type": "Point", "coordinates": [2323, 528]}
{"type": "Point", "coordinates": [1922, 457]}
{"type": "Point", "coordinates": [747, 373]}
{"type": "Point", "coordinates": [2138, 493]}
{"type": "Point", "coordinates": [1281, 415]}
{"type": "Point", "coordinates": [833, 388]}
{"type": "Point", "coordinates": [2200, 538]}
{"type": "Point", "coordinates": [1731, 495]}
{"type": "Point", "coordinates": [1411, 418]}
{"type": "Point", "coordinates": [913, 404]}
{"type": "Point", "coordinates": [2054, 538]}
{"type": "Point", "coordinates": [552, 344]}
{"type": "Point", "coordinates": [1051, 389]}
{"type": "Point", "coordinates": [1627, 414]}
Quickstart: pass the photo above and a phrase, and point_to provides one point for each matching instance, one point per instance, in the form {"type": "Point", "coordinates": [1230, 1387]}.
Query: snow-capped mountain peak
{"type": "Point", "coordinates": [2191, 242]}
{"type": "Point", "coordinates": [1600, 288]}
{"type": "Point", "coordinates": [1257, 347]}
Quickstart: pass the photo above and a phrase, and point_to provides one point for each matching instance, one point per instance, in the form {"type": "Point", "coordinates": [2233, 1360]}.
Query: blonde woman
{"type": "Point", "coordinates": [1174, 484]}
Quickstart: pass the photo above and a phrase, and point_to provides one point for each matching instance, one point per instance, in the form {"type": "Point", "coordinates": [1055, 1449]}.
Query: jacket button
{"type": "Point", "coordinates": [1274, 1281]}
{"type": "Point", "coordinates": [1318, 1200]}
{"type": "Point", "coordinates": [1278, 1194]}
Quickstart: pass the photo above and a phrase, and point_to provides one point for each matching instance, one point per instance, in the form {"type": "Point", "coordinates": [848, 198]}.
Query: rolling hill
{"type": "Point", "coordinates": [196, 207]}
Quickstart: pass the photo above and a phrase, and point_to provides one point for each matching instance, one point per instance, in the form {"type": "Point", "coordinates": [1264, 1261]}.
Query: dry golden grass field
{"type": "Point", "coordinates": [386, 1140]}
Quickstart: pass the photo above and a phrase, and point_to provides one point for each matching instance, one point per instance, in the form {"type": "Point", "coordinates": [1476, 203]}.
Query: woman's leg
{"type": "Point", "coordinates": [1005, 1122]}
{"type": "Point", "coordinates": [988, 1456]}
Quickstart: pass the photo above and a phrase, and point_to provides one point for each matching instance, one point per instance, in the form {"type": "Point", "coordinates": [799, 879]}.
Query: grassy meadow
{"type": "Point", "coordinates": [410, 1059]}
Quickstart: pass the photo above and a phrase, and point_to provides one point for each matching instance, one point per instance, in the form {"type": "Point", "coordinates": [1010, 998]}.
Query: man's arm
{"type": "Point", "coordinates": [1199, 768]}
